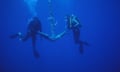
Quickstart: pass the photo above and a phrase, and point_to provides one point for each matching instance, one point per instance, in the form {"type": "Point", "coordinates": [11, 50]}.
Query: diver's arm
{"type": "Point", "coordinates": [43, 34]}
{"type": "Point", "coordinates": [52, 38]}
{"type": "Point", "coordinates": [60, 35]}
{"type": "Point", "coordinates": [46, 36]}
{"type": "Point", "coordinates": [17, 35]}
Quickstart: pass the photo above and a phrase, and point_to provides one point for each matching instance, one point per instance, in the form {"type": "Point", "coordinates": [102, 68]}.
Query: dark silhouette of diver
{"type": "Point", "coordinates": [73, 24]}
{"type": "Point", "coordinates": [34, 28]}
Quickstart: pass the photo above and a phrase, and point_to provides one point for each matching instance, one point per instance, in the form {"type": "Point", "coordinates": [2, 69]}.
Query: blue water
{"type": "Point", "coordinates": [100, 20]}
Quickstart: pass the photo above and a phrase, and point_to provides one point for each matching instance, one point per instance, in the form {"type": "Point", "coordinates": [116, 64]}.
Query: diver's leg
{"type": "Point", "coordinates": [76, 34]}
{"type": "Point", "coordinates": [36, 54]}
{"type": "Point", "coordinates": [81, 47]}
{"type": "Point", "coordinates": [34, 42]}
{"type": "Point", "coordinates": [85, 43]}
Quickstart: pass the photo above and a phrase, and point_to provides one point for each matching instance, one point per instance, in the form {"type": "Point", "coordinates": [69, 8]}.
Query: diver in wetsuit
{"type": "Point", "coordinates": [33, 29]}
{"type": "Point", "coordinates": [73, 24]}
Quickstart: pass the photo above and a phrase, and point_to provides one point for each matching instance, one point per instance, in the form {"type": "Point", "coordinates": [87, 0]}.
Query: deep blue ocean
{"type": "Point", "coordinates": [100, 21]}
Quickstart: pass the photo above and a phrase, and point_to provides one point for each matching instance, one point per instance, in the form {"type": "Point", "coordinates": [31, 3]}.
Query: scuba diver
{"type": "Point", "coordinates": [33, 28]}
{"type": "Point", "coordinates": [73, 24]}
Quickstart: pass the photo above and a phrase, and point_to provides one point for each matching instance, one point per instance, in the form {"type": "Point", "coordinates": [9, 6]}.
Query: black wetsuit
{"type": "Point", "coordinates": [75, 30]}
{"type": "Point", "coordinates": [34, 27]}
{"type": "Point", "coordinates": [76, 33]}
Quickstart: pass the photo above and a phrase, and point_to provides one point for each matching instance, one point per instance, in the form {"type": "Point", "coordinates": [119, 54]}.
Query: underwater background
{"type": "Point", "coordinates": [100, 21]}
